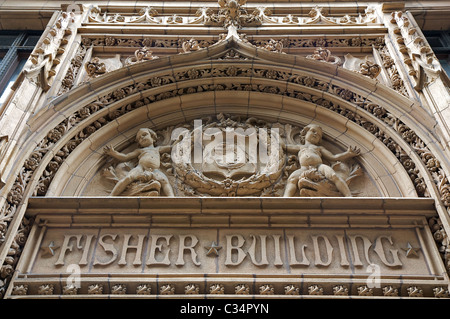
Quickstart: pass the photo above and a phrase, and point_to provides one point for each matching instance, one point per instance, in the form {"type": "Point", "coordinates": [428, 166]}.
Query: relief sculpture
{"type": "Point", "coordinates": [146, 171]}
{"type": "Point", "coordinates": [314, 176]}
{"type": "Point", "coordinates": [228, 156]}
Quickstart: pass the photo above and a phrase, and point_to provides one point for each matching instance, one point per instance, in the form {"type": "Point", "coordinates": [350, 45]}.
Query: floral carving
{"type": "Point", "coordinates": [370, 69]}
{"type": "Point", "coordinates": [45, 290]}
{"type": "Point", "coordinates": [70, 290]}
{"type": "Point", "coordinates": [231, 13]}
{"type": "Point", "coordinates": [315, 290]}
{"type": "Point", "coordinates": [167, 289]}
{"type": "Point", "coordinates": [324, 55]}
{"type": "Point", "coordinates": [20, 290]}
{"type": "Point", "coordinates": [365, 291]}
{"type": "Point", "coordinates": [217, 289]}
{"type": "Point", "coordinates": [291, 290]}
{"type": "Point", "coordinates": [440, 292]}
{"type": "Point", "coordinates": [442, 240]}
{"type": "Point", "coordinates": [390, 291]}
{"type": "Point", "coordinates": [266, 290]}
{"type": "Point", "coordinates": [95, 289]}
{"type": "Point", "coordinates": [242, 289]}
{"type": "Point", "coordinates": [340, 291]}
{"type": "Point", "coordinates": [318, 16]}
{"type": "Point", "coordinates": [95, 67]}
{"type": "Point", "coordinates": [68, 81]}
{"type": "Point", "coordinates": [273, 46]}
{"type": "Point", "coordinates": [143, 290]}
{"type": "Point", "coordinates": [414, 291]}
{"type": "Point", "coordinates": [119, 289]}
{"type": "Point", "coordinates": [191, 289]}
{"type": "Point", "coordinates": [140, 55]}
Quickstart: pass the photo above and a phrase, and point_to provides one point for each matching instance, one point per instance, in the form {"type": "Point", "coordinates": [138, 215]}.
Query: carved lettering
{"type": "Point", "coordinates": [237, 248]}
{"type": "Point", "coordinates": [293, 259]}
{"type": "Point", "coordinates": [262, 250]}
{"type": "Point", "coordinates": [126, 245]}
{"type": "Point", "coordinates": [67, 246]}
{"type": "Point", "coordinates": [366, 246]}
{"type": "Point", "coordinates": [381, 253]}
{"type": "Point", "coordinates": [183, 247]}
{"type": "Point", "coordinates": [107, 247]}
{"type": "Point", "coordinates": [154, 247]}
{"type": "Point", "coordinates": [342, 250]}
{"type": "Point", "coordinates": [317, 251]}
{"type": "Point", "coordinates": [278, 261]}
{"type": "Point", "coordinates": [252, 251]}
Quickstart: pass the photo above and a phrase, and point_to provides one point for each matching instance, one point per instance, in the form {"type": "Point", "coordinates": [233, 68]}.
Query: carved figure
{"type": "Point", "coordinates": [148, 166]}
{"type": "Point", "coordinates": [310, 156]}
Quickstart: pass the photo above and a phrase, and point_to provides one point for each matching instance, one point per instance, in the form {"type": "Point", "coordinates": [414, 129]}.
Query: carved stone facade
{"type": "Point", "coordinates": [291, 138]}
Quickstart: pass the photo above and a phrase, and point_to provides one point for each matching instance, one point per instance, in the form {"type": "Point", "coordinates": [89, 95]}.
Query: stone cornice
{"type": "Point", "coordinates": [430, 15]}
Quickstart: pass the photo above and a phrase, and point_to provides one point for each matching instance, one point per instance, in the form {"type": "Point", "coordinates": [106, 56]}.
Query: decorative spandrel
{"type": "Point", "coordinates": [230, 156]}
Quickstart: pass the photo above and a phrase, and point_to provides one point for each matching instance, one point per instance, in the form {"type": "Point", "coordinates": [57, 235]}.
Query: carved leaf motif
{"type": "Point", "coordinates": [119, 289]}
{"type": "Point", "coordinates": [143, 290]}
{"type": "Point", "coordinates": [95, 289]}
{"type": "Point", "coordinates": [168, 289]}
{"type": "Point", "coordinates": [315, 290]}
{"type": "Point", "coordinates": [45, 290]}
{"type": "Point", "coordinates": [20, 290]}
{"type": "Point", "coordinates": [70, 290]}
{"type": "Point", "coordinates": [291, 290]}
{"type": "Point", "coordinates": [242, 289]}
{"type": "Point", "coordinates": [217, 289]}
{"type": "Point", "coordinates": [191, 289]}
{"type": "Point", "coordinates": [390, 291]}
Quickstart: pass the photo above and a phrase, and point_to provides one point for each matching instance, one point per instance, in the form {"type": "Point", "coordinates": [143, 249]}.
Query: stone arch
{"type": "Point", "coordinates": [122, 131]}
{"type": "Point", "coordinates": [71, 119]}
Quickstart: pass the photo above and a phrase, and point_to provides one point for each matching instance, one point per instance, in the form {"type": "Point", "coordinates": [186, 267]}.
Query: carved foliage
{"type": "Point", "coordinates": [231, 12]}
{"type": "Point", "coordinates": [421, 63]}
{"type": "Point", "coordinates": [47, 55]}
{"type": "Point", "coordinates": [324, 55]}
{"type": "Point", "coordinates": [216, 175]}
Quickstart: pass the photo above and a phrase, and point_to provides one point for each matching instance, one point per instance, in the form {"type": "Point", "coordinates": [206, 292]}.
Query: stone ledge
{"type": "Point", "coordinates": [198, 205]}
{"type": "Point", "coordinates": [252, 212]}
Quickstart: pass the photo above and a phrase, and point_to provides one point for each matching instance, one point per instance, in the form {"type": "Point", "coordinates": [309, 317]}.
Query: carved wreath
{"type": "Point", "coordinates": [252, 180]}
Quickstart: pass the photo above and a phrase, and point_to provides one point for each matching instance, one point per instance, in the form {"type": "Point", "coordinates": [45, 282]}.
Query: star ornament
{"type": "Point", "coordinates": [213, 249]}
{"type": "Point", "coordinates": [49, 250]}
{"type": "Point", "coordinates": [410, 251]}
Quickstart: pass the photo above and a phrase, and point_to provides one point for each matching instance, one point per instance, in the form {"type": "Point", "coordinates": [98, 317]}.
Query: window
{"type": "Point", "coordinates": [440, 43]}
{"type": "Point", "coordinates": [15, 47]}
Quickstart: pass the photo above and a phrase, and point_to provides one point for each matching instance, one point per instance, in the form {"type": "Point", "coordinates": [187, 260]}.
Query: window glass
{"type": "Point", "coordinates": [32, 40]}
{"type": "Point", "coordinates": [440, 43]}
{"type": "Point", "coordinates": [446, 65]}
{"type": "Point", "coordinates": [6, 40]}
{"type": "Point", "coordinates": [11, 81]}
{"type": "Point", "coordinates": [18, 46]}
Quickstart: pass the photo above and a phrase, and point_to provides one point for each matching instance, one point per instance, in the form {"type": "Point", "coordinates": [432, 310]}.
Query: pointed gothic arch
{"type": "Point", "coordinates": [351, 108]}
